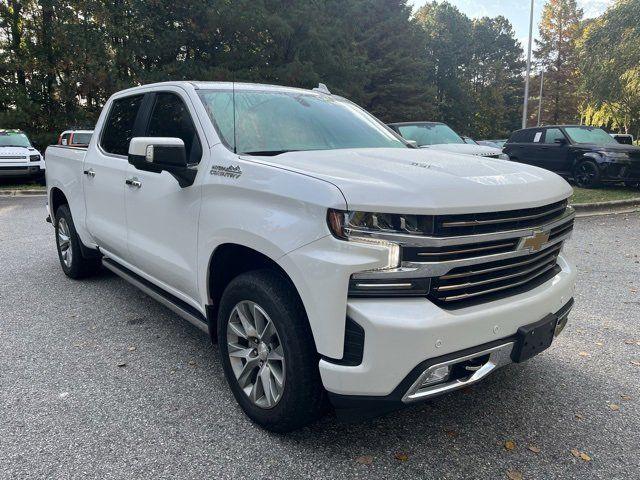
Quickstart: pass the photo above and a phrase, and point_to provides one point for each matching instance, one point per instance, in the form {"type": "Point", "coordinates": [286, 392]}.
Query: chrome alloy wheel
{"type": "Point", "coordinates": [256, 354]}
{"type": "Point", "coordinates": [64, 242]}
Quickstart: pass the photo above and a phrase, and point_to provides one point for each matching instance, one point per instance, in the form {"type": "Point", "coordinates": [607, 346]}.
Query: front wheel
{"type": "Point", "coordinates": [268, 353]}
{"type": "Point", "coordinates": [587, 174]}
{"type": "Point", "coordinates": [632, 184]}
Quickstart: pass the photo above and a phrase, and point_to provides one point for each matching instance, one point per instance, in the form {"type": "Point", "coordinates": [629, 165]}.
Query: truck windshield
{"type": "Point", "coordinates": [429, 133]}
{"type": "Point", "coordinates": [14, 139]}
{"type": "Point", "coordinates": [589, 135]}
{"type": "Point", "coordinates": [275, 122]}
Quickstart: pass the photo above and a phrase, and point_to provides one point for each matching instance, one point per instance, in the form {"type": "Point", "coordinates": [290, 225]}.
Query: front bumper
{"type": "Point", "coordinates": [621, 172]}
{"type": "Point", "coordinates": [403, 334]}
{"type": "Point", "coordinates": [474, 363]}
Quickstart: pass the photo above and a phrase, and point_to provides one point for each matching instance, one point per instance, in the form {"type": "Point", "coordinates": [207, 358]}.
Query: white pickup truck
{"type": "Point", "coordinates": [331, 260]}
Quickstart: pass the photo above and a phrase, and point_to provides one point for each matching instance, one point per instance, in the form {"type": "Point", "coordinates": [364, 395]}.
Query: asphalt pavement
{"type": "Point", "coordinates": [97, 380]}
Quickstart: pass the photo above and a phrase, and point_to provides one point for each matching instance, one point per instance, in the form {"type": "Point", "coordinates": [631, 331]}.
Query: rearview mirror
{"type": "Point", "coordinates": [157, 154]}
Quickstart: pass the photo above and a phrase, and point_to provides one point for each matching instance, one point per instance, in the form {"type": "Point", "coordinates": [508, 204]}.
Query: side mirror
{"type": "Point", "coordinates": [157, 154]}
{"type": "Point", "coordinates": [560, 141]}
{"type": "Point", "coordinates": [413, 143]}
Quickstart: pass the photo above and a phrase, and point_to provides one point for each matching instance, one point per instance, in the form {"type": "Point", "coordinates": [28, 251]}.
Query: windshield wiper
{"type": "Point", "coordinates": [268, 153]}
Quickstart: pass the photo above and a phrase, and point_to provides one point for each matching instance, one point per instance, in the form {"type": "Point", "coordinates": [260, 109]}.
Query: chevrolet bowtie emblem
{"type": "Point", "coordinates": [535, 241]}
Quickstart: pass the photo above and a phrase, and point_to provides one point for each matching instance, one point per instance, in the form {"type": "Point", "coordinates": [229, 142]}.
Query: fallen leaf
{"type": "Point", "coordinates": [583, 354]}
{"type": "Point", "coordinates": [635, 362]}
{"type": "Point", "coordinates": [121, 364]}
{"type": "Point", "coordinates": [172, 372]}
{"type": "Point", "coordinates": [192, 362]}
{"type": "Point", "coordinates": [403, 457]}
{"type": "Point", "coordinates": [579, 417]}
{"type": "Point", "coordinates": [581, 455]}
{"type": "Point", "coordinates": [599, 344]}
{"type": "Point", "coordinates": [629, 342]}
{"type": "Point", "coordinates": [534, 449]}
{"type": "Point", "coordinates": [514, 475]}
{"type": "Point", "coordinates": [132, 349]}
{"type": "Point", "coordinates": [625, 397]}
{"type": "Point", "coordinates": [365, 459]}
{"type": "Point", "coordinates": [509, 445]}
{"type": "Point", "coordinates": [614, 407]}
{"type": "Point", "coordinates": [452, 433]}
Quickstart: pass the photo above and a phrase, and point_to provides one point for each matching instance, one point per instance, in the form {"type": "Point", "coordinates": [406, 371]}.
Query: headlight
{"type": "Point", "coordinates": [34, 158]}
{"type": "Point", "coordinates": [504, 156]}
{"type": "Point", "coordinates": [362, 227]}
{"type": "Point", "coordinates": [616, 155]}
{"type": "Point", "coordinates": [345, 225]}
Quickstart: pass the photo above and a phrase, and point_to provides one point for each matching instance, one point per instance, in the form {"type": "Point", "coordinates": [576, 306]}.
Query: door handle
{"type": "Point", "coordinates": [90, 173]}
{"type": "Point", "coordinates": [133, 182]}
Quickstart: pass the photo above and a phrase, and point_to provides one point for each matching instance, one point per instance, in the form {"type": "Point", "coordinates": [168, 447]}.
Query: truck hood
{"type": "Point", "coordinates": [426, 181]}
{"type": "Point", "coordinates": [466, 148]}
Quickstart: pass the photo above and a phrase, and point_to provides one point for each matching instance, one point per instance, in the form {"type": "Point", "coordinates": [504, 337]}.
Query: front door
{"type": "Point", "coordinates": [105, 171]}
{"type": "Point", "coordinates": [162, 217]}
{"type": "Point", "coordinates": [556, 150]}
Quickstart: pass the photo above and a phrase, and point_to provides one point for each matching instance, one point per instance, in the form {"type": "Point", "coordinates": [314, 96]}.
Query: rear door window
{"type": "Point", "coordinates": [118, 128]}
{"type": "Point", "coordinates": [170, 117]}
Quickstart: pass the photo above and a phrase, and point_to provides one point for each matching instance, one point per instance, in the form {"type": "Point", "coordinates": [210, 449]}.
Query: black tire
{"type": "Point", "coordinates": [632, 184]}
{"type": "Point", "coordinates": [586, 174]}
{"type": "Point", "coordinates": [303, 399]}
{"type": "Point", "coordinates": [74, 265]}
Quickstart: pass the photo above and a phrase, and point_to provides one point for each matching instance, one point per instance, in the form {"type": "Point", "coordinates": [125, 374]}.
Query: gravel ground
{"type": "Point", "coordinates": [67, 410]}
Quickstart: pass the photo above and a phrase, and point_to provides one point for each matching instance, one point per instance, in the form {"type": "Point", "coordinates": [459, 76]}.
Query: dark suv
{"type": "Point", "coordinates": [590, 155]}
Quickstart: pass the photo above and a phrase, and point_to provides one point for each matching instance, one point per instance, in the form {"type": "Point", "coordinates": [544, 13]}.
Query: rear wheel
{"type": "Point", "coordinates": [72, 261]}
{"type": "Point", "coordinates": [587, 174]}
{"type": "Point", "coordinates": [268, 353]}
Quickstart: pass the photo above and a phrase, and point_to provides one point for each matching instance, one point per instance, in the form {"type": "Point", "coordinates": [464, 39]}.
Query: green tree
{"type": "Point", "coordinates": [610, 68]}
{"type": "Point", "coordinates": [560, 29]}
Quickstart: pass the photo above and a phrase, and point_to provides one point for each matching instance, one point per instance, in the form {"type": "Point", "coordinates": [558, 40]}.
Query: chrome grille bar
{"type": "Point", "coordinates": [473, 223]}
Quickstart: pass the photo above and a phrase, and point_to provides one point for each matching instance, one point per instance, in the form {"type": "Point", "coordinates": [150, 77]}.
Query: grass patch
{"type": "Point", "coordinates": [604, 194]}
{"type": "Point", "coordinates": [7, 185]}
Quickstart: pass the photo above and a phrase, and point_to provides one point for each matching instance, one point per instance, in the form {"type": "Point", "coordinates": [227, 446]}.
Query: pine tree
{"type": "Point", "coordinates": [557, 53]}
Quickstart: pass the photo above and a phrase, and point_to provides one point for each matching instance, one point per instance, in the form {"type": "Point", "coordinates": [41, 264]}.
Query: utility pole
{"type": "Point", "coordinates": [525, 109]}
{"type": "Point", "coordinates": [540, 98]}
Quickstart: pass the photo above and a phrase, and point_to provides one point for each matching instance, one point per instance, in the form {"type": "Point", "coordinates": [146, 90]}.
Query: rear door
{"type": "Point", "coordinates": [555, 151]}
{"type": "Point", "coordinates": [105, 170]}
{"type": "Point", "coordinates": [162, 217]}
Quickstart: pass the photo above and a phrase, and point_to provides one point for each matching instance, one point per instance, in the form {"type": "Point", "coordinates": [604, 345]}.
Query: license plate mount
{"type": "Point", "coordinates": [534, 338]}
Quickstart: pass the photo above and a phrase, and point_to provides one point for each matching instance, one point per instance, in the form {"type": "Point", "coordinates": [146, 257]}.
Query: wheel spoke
{"type": "Point", "coordinates": [276, 354]}
{"type": "Point", "coordinates": [247, 323]}
{"type": "Point", "coordinates": [237, 330]}
{"type": "Point", "coordinates": [265, 379]}
{"type": "Point", "coordinates": [246, 375]}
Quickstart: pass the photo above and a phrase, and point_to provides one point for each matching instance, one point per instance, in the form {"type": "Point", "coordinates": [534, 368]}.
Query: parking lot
{"type": "Point", "coordinates": [99, 381]}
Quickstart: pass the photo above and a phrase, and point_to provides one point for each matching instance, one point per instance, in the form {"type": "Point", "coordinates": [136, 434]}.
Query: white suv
{"type": "Point", "coordinates": [329, 258]}
{"type": "Point", "coordinates": [18, 158]}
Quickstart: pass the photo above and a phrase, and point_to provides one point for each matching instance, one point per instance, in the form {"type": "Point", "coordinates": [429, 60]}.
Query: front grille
{"type": "Point", "coordinates": [457, 252]}
{"type": "Point", "coordinates": [13, 157]}
{"type": "Point", "coordinates": [467, 283]}
{"type": "Point", "coordinates": [478, 223]}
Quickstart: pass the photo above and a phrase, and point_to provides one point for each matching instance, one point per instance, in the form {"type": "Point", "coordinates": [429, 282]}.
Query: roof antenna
{"type": "Point", "coordinates": [233, 96]}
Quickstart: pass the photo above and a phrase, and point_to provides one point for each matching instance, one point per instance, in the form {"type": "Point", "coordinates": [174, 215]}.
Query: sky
{"type": "Point", "coordinates": [517, 11]}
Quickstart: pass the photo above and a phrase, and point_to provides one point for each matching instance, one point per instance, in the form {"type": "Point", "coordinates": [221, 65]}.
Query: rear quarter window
{"type": "Point", "coordinates": [118, 128]}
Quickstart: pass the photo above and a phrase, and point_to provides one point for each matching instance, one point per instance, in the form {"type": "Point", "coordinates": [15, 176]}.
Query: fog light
{"type": "Point", "coordinates": [437, 375]}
